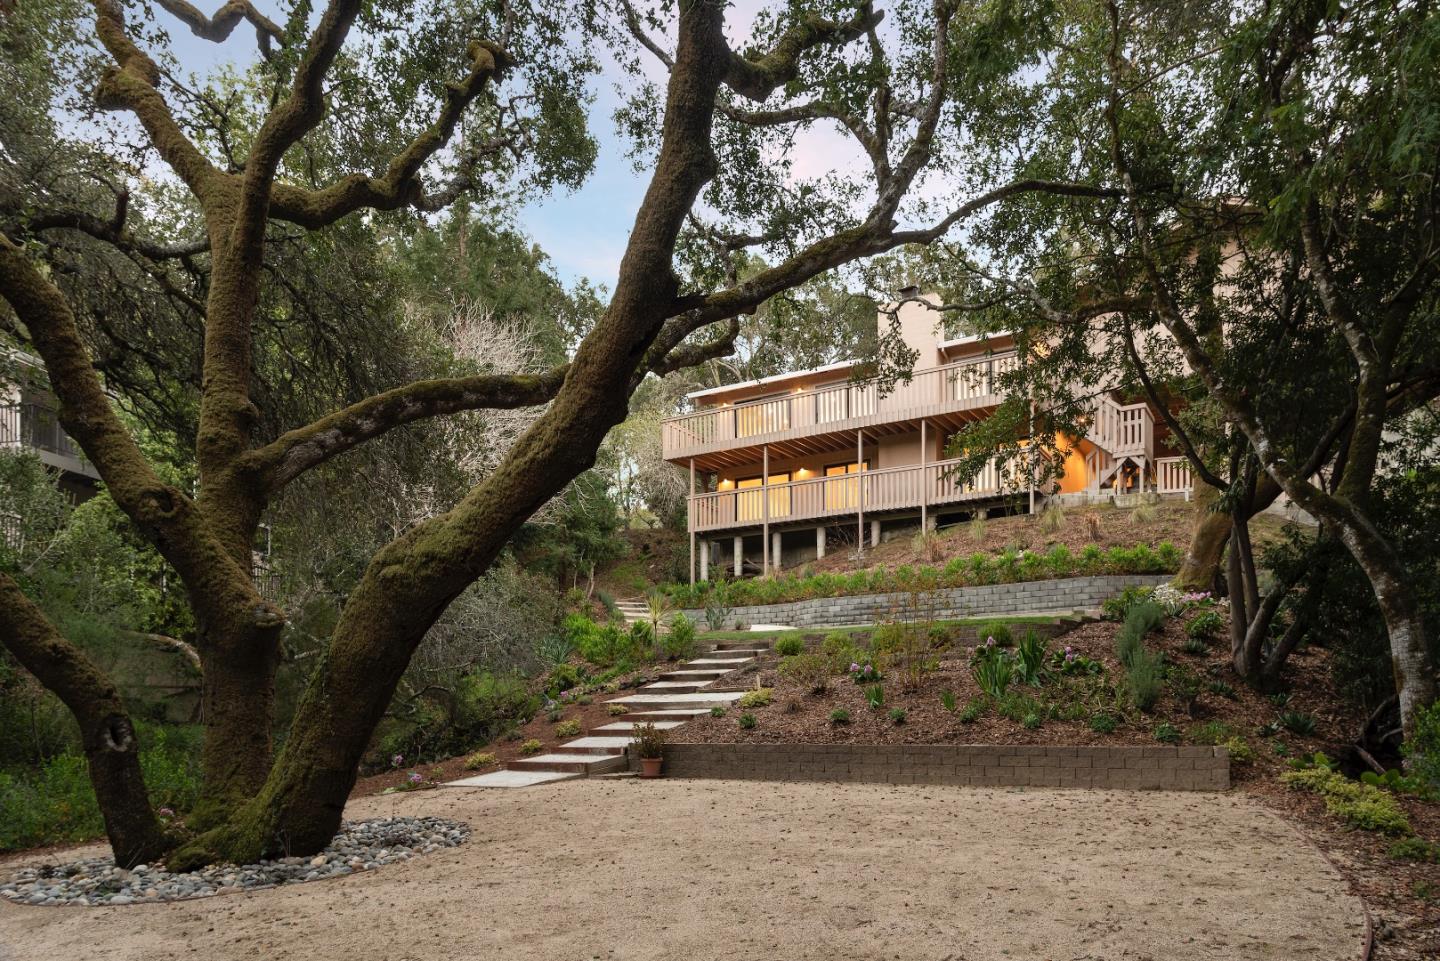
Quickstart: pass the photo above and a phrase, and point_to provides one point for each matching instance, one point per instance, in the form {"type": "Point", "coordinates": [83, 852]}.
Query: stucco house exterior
{"type": "Point", "coordinates": [785, 467]}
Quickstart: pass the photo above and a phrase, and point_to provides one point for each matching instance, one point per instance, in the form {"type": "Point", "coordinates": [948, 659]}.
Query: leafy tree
{"type": "Point", "coordinates": [370, 110]}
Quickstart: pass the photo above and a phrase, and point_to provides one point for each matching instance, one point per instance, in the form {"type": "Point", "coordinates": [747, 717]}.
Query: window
{"type": "Point", "coordinates": [749, 506]}
{"type": "Point", "coordinates": [842, 493]}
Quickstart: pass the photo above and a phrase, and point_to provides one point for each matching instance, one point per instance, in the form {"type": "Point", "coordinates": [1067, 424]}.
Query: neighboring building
{"type": "Point", "coordinates": [29, 420]}
{"type": "Point", "coordinates": [797, 461]}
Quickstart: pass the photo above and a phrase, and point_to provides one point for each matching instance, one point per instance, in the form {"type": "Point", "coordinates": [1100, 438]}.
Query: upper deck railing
{"type": "Point", "coordinates": [969, 383]}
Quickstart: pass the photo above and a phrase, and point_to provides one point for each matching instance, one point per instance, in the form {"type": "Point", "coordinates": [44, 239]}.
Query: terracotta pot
{"type": "Point", "coordinates": [650, 766]}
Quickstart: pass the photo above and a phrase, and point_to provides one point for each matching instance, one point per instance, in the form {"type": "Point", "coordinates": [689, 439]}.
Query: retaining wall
{"type": "Point", "coordinates": [1123, 767]}
{"type": "Point", "coordinates": [1025, 597]}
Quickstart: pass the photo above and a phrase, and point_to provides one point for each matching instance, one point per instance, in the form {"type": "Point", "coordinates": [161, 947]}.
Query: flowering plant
{"type": "Point", "coordinates": [864, 675]}
{"type": "Point", "coordinates": [1072, 662]}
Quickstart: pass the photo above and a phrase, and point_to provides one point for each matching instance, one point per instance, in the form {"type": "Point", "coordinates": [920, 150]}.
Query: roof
{"type": "Point", "coordinates": [772, 379]}
{"type": "Point", "coordinates": [971, 339]}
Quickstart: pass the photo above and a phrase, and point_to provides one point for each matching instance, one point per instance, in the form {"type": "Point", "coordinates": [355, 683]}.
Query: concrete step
{"type": "Point", "coordinates": [513, 779]}
{"type": "Point", "coordinates": [622, 727]}
{"type": "Point", "coordinates": [596, 744]}
{"type": "Point", "coordinates": [662, 716]}
{"type": "Point", "coordinates": [570, 763]}
{"type": "Point", "coordinates": [698, 676]}
{"type": "Point", "coordinates": [756, 645]}
{"type": "Point", "coordinates": [676, 687]}
{"type": "Point", "coordinates": [729, 663]}
{"type": "Point", "coordinates": [703, 699]}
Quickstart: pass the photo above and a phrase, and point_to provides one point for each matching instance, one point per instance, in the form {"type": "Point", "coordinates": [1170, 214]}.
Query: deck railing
{"type": "Point", "coordinates": [894, 488]}
{"type": "Point", "coordinates": [837, 407]}
{"type": "Point", "coordinates": [1123, 429]}
{"type": "Point", "coordinates": [1173, 475]}
{"type": "Point", "coordinates": [34, 425]}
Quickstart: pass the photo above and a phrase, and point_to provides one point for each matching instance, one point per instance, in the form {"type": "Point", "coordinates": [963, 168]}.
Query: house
{"type": "Point", "coordinates": [786, 467]}
{"type": "Point", "coordinates": [29, 421]}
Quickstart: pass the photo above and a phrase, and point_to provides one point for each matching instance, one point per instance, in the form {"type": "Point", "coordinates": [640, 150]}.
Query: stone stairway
{"type": "Point", "coordinates": [678, 696]}
{"type": "Point", "coordinates": [633, 609]}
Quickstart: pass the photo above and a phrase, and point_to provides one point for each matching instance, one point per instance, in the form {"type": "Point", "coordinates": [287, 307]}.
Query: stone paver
{"type": "Point", "coordinates": [512, 779]}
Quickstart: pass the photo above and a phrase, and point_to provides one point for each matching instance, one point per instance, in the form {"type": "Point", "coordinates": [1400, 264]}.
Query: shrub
{"type": "Point", "coordinates": [1195, 647]}
{"type": "Point", "coordinates": [562, 678]}
{"type": "Point", "coordinates": [615, 710]}
{"type": "Point", "coordinates": [530, 747]}
{"type": "Point", "coordinates": [1052, 519]}
{"type": "Point", "coordinates": [973, 709]}
{"type": "Point", "coordinates": [1358, 805]}
{"type": "Point", "coordinates": [875, 696]}
{"type": "Point", "coordinates": [897, 715]}
{"type": "Point", "coordinates": [479, 759]}
{"type": "Point", "coordinates": [1167, 733]}
{"type": "Point", "coordinates": [554, 714]}
{"type": "Point", "coordinates": [756, 697]}
{"type": "Point", "coordinates": [1144, 513]}
{"type": "Point", "coordinates": [1014, 706]}
{"type": "Point", "coordinates": [648, 741]}
{"type": "Point", "coordinates": [998, 630]}
{"type": "Point", "coordinates": [1212, 732]}
{"type": "Point", "coordinates": [1103, 723]}
{"type": "Point", "coordinates": [789, 645]}
{"type": "Point", "coordinates": [718, 711]}
{"type": "Point", "coordinates": [1115, 608]}
{"type": "Point", "coordinates": [864, 674]}
{"type": "Point", "coordinates": [948, 702]}
{"type": "Point", "coordinates": [747, 722]}
{"type": "Point", "coordinates": [1031, 720]}
{"type": "Point", "coordinates": [1222, 689]}
{"type": "Point", "coordinates": [1144, 679]}
{"type": "Point", "coordinates": [810, 671]}
{"type": "Point", "coordinates": [839, 716]}
{"type": "Point", "coordinates": [1146, 616]}
{"type": "Point", "coordinates": [1415, 849]}
{"type": "Point", "coordinates": [567, 729]}
{"type": "Point", "coordinates": [585, 699]}
{"type": "Point", "coordinates": [679, 641]}
{"type": "Point", "coordinates": [1298, 722]}
{"type": "Point", "coordinates": [1239, 750]}
{"type": "Point", "coordinates": [1206, 625]}
{"type": "Point", "coordinates": [1422, 752]}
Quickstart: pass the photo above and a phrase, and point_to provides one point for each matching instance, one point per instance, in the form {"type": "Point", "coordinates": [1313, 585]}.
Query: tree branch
{"type": "Point", "coordinates": [218, 28]}
{"type": "Point", "coordinates": [756, 76]}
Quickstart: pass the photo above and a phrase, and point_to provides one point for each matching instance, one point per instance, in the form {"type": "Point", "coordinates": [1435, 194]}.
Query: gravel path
{"type": "Point", "coordinates": [623, 869]}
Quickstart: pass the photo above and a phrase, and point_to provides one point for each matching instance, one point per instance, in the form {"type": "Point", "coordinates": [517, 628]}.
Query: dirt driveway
{"type": "Point", "coordinates": [699, 870]}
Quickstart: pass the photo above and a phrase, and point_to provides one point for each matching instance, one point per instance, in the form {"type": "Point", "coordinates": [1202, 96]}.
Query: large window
{"type": "Point", "coordinates": [842, 488]}
{"type": "Point", "coordinates": [749, 506]}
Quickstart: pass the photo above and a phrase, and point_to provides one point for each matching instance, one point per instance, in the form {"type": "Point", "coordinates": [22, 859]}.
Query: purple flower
{"type": "Point", "coordinates": [990, 641]}
{"type": "Point", "coordinates": [854, 666]}
{"type": "Point", "coordinates": [415, 777]}
{"type": "Point", "coordinates": [397, 760]}
{"type": "Point", "coordinates": [165, 813]}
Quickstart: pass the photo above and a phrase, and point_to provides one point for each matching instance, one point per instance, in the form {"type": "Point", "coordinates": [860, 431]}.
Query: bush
{"type": "Point", "coordinates": [1205, 626]}
{"type": "Point", "coordinates": [1298, 722]}
{"type": "Point", "coordinates": [810, 671]}
{"type": "Point", "coordinates": [1117, 607]}
{"type": "Point", "coordinates": [758, 697]}
{"type": "Point", "coordinates": [839, 716]}
{"type": "Point", "coordinates": [747, 721]}
{"type": "Point", "coordinates": [998, 630]}
{"type": "Point", "coordinates": [532, 746]}
{"type": "Point", "coordinates": [972, 711]}
{"type": "Point", "coordinates": [897, 715]}
{"type": "Point", "coordinates": [567, 729]}
{"type": "Point", "coordinates": [1031, 721]}
{"type": "Point", "coordinates": [480, 759]}
{"type": "Point", "coordinates": [678, 643]}
{"type": "Point", "coordinates": [875, 696]}
{"type": "Point", "coordinates": [615, 710]}
{"type": "Point", "coordinates": [718, 711]}
{"type": "Point", "coordinates": [789, 645]}
{"type": "Point", "coordinates": [1212, 732]}
{"type": "Point", "coordinates": [1239, 750]}
{"type": "Point", "coordinates": [1030, 659]}
{"type": "Point", "coordinates": [1144, 679]}
{"type": "Point", "coordinates": [1422, 752]}
{"type": "Point", "coordinates": [1358, 805]}
{"type": "Point", "coordinates": [948, 702]}
{"type": "Point", "coordinates": [993, 670]}
{"type": "Point", "coordinates": [1221, 688]}
{"type": "Point", "coordinates": [1195, 647]}
{"type": "Point", "coordinates": [562, 678]}
{"type": "Point", "coordinates": [1103, 723]}
{"type": "Point", "coordinates": [1415, 849]}
{"type": "Point", "coordinates": [1167, 733]}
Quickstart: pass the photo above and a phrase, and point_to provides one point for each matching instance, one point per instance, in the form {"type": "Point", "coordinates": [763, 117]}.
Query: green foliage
{"type": "Point", "coordinates": [789, 645]}
{"type": "Point", "coordinates": [567, 729]}
{"type": "Point", "coordinates": [980, 568]}
{"type": "Point", "coordinates": [1103, 723]}
{"type": "Point", "coordinates": [1195, 647]}
{"type": "Point", "coordinates": [998, 631]}
{"type": "Point", "coordinates": [479, 759]}
{"type": "Point", "coordinates": [758, 697]}
{"type": "Point", "coordinates": [1206, 625]}
{"type": "Point", "coordinates": [718, 711]}
{"type": "Point", "coordinates": [1212, 732]}
{"type": "Point", "coordinates": [993, 670]}
{"type": "Point", "coordinates": [1144, 680]}
{"type": "Point", "coordinates": [897, 715]}
{"type": "Point", "coordinates": [810, 671]}
{"type": "Point", "coordinates": [1221, 688]}
{"type": "Point", "coordinates": [531, 747]}
{"type": "Point", "coordinates": [1400, 783]}
{"type": "Point", "coordinates": [648, 741]}
{"type": "Point", "coordinates": [1031, 721]}
{"type": "Point", "coordinates": [747, 722]}
{"type": "Point", "coordinates": [479, 707]}
{"type": "Point", "coordinates": [678, 643]}
{"type": "Point", "coordinates": [1422, 751]}
{"type": "Point", "coordinates": [1167, 733]}
{"type": "Point", "coordinates": [875, 696]}
{"type": "Point", "coordinates": [1298, 722]}
{"type": "Point", "coordinates": [839, 716]}
{"type": "Point", "coordinates": [616, 710]}
{"type": "Point", "coordinates": [1116, 608]}
{"type": "Point", "coordinates": [600, 645]}
{"type": "Point", "coordinates": [1239, 749]}
{"type": "Point", "coordinates": [948, 702]}
{"type": "Point", "coordinates": [53, 802]}
{"type": "Point", "coordinates": [973, 710]}
{"type": "Point", "coordinates": [1030, 659]}
{"type": "Point", "coordinates": [1359, 805]}
{"type": "Point", "coordinates": [1415, 849]}
{"type": "Point", "coordinates": [562, 678]}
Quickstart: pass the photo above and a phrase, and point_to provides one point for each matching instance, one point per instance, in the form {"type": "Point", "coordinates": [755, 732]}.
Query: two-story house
{"type": "Point", "coordinates": [28, 420]}
{"type": "Point", "coordinates": [782, 467]}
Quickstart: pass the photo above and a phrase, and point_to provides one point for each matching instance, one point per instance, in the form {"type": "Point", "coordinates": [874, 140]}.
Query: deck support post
{"type": "Point", "coordinates": [924, 481]}
{"type": "Point", "coordinates": [765, 511]}
{"type": "Point", "coordinates": [775, 550]}
{"type": "Point", "coordinates": [690, 506]}
{"type": "Point", "coordinates": [705, 559]}
{"type": "Point", "coordinates": [860, 491]}
{"type": "Point", "coordinates": [874, 533]}
{"type": "Point", "coordinates": [739, 556]}
{"type": "Point", "coordinates": [820, 542]}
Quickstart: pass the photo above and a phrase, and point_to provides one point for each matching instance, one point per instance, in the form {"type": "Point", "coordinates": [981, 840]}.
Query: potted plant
{"type": "Point", "coordinates": [649, 744]}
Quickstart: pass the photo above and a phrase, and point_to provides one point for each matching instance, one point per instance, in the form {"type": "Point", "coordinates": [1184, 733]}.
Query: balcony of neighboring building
{"type": "Point", "coordinates": [35, 427]}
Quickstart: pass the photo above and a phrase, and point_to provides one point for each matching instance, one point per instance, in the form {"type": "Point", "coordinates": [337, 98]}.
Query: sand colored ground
{"type": "Point", "coordinates": [697, 870]}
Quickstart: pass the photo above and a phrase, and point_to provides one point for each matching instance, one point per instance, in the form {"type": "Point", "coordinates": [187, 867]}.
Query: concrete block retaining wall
{"type": "Point", "coordinates": [1026, 597]}
{"type": "Point", "coordinates": [973, 765]}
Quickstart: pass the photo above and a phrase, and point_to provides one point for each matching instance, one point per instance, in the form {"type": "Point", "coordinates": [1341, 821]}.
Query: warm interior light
{"type": "Point", "coordinates": [726, 484]}
{"type": "Point", "coordinates": [801, 473]}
